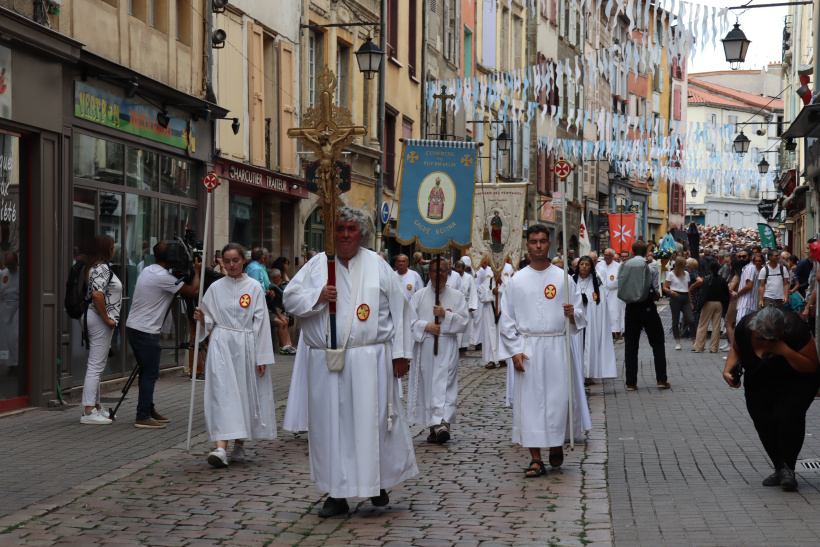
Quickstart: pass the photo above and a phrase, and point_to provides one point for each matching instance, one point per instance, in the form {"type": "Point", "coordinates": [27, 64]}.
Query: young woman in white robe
{"type": "Point", "coordinates": [238, 390]}
{"type": "Point", "coordinates": [488, 309]}
{"type": "Point", "coordinates": [433, 384]}
{"type": "Point", "coordinates": [595, 340]}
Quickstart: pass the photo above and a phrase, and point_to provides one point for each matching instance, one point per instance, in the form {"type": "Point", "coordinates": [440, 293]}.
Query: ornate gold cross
{"type": "Point", "coordinates": [327, 129]}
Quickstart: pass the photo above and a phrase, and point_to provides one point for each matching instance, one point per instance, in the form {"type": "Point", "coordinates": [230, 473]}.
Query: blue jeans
{"type": "Point", "coordinates": [147, 350]}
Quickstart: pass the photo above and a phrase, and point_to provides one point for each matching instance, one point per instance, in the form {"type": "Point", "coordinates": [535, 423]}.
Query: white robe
{"type": "Point", "coordinates": [471, 300]}
{"type": "Point", "coordinates": [352, 452]}
{"type": "Point", "coordinates": [475, 328]}
{"type": "Point", "coordinates": [454, 280]}
{"type": "Point", "coordinates": [615, 305]}
{"type": "Point", "coordinates": [296, 413]}
{"type": "Point", "coordinates": [238, 403]}
{"type": "Point", "coordinates": [595, 340]}
{"type": "Point", "coordinates": [507, 273]}
{"type": "Point", "coordinates": [433, 382]}
{"type": "Point", "coordinates": [533, 324]}
{"type": "Point", "coordinates": [489, 328]}
{"type": "Point", "coordinates": [9, 317]}
{"type": "Point", "coordinates": [410, 283]}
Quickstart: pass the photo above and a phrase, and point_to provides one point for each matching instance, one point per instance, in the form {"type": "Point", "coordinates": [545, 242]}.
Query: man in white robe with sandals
{"type": "Point", "coordinates": [359, 440]}
{"type": "Point", "coordinates": [532, 333]}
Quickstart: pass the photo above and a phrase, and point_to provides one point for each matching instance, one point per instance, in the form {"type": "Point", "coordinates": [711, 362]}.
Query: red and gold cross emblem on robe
{"type": "Point", "coordinates": [595, 296]}
{"type": "Point", "coordinates": [550, 291]}
{"type": "Point", "coordinates": [612, 278]}
{"type": "Point", "coordinates": [5, 279]}
{"type": "Point", "coordinates": [363, 312]}
{"type": "Point", "coordinates": [245, 300]}
{"type": "Point", "coordinates": [409, 287]}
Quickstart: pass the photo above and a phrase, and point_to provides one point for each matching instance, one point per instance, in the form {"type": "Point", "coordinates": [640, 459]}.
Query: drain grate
{"type": "Point", "coordinates": [809, 465]}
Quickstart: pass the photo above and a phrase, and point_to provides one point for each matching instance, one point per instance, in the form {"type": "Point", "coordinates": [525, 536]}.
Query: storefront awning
{"type": "Point", "coordinates": [806, 124]}
{"type": "Point", "coordinates": [262, 179]}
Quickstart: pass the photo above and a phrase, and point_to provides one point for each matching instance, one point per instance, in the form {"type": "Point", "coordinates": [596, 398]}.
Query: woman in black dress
{"type": "Point", "coordinates": [780, 361]}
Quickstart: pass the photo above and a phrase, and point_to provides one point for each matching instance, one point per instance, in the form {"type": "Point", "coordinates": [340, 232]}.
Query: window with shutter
{"type": "Point", "coordinates": [562, 25]}
{"type": "Point", "coordinates": [553, 12]}
{"type": "Point", "coordinates": [677, 104]}
{"type": "Point", "coordinates": [286, 108]}
{"type": "Point", "coordinates": [525, 151]}
{"type": "Point", "coordinates": [432, 22]}
{"type": "Point", "coordinates": [393, 28]}
{"type": "Point", "coordinates": [411, 39]}
{"type": "Point", "coordinates": [571, 28]}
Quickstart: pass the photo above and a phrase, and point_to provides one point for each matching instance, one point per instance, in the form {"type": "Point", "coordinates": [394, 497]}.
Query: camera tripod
{"type": "Point", "coordinates": [188, 345]}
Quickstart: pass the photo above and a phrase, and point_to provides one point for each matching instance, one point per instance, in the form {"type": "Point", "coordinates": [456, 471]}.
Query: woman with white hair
{"type": "Point", "coordinates": [780, 363]}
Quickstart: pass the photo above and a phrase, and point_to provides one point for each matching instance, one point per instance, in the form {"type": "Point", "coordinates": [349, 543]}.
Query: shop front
{"type": "Point", "coordinates": [263, 208]}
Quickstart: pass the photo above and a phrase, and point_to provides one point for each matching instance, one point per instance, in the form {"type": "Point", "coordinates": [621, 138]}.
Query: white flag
{"type": "Point", "coordinates": [583, 237]}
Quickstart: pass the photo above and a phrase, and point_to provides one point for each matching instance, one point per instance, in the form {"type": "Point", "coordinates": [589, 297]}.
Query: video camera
{"type": "Point", "coordinates": [182, 252]}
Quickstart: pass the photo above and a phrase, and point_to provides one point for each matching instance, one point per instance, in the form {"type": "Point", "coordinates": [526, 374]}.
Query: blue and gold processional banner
{"type": "Point", "coordinates": [436, 194]}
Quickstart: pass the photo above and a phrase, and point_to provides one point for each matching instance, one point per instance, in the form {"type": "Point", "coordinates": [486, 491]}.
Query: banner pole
{"type": "Point", "coordinates": [566, 319]}
{"type": "Point", "coordinates": [198, 323]}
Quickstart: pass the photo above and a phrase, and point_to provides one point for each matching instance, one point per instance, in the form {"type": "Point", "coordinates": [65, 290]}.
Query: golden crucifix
{"type": "Point", "coordinates": [327, 129]}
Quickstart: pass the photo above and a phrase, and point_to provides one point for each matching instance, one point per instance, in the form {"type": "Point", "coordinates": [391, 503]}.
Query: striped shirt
{"type": "Point", "coordinates": [747, 303]}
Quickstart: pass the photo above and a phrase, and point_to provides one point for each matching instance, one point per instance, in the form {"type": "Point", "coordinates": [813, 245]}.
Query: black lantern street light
{"type": "Point", "coordinates": [694, 192]}
{"type": "Point", "coordinates": [369, 57]}
{"type": "Point", "coordinates": [503, 142]}
{"type": "Point", "coordinates": [735, 45]}
{"type": "Point", "coordinates": [763, 166]}
{"type": "Point", "coordinates": [741, 144]}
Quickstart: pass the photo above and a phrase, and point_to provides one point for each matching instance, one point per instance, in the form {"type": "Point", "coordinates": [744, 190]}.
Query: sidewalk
{"type": "Point", "coordinates": [685, 464]}
{"type": "Point", "coordinates": [145, 488]}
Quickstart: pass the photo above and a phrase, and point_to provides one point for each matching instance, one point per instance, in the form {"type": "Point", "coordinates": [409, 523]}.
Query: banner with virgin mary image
{"type": "Point", "coordinates": [498, 224]}
{"type": "Point", "coordinates": [436, 194]}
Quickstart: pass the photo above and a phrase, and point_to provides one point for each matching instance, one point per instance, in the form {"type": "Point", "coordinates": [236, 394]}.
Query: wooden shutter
{"type": "Point", "coordinates": [525, 151]}
{"type": "Point", "coordinates": [256, 88]}
{"type": "Point", "coordinates": [677, 105]}
{"type": "Point", "coordinates": [286, 108]}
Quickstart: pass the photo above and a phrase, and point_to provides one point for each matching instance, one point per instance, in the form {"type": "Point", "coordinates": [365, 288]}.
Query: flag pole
{"type": "Point", "coordinates": [566, 319]}
{"type": "Point", "coordinates": [211, 182]}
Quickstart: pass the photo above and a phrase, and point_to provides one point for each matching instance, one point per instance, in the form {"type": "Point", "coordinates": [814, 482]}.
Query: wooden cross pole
{"type": "Point", "coordinates": [443, 96]}
{"type": "Point", "coordinates": [327, 129]}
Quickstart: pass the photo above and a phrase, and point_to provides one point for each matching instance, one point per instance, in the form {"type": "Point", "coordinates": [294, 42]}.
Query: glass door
{"type": "Point", "coordinates": [98, 212]}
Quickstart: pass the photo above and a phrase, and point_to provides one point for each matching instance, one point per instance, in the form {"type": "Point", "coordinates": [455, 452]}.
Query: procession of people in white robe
{"type": "Point", "coordinates": [615, 306]}
{"type": "Point", "coordinates": [598, 349]}
{"type": "Point", "coordinates": [355, 449]}
{"type": "Point", "coordinates": [433, 381]}
{"type": "Point", "coordinates": [238, 402]}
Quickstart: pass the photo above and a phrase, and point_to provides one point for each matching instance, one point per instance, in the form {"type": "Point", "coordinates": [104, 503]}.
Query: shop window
{"type": "Point", "coordinates": [184, 22]}
{"type": "Point", "coordinates": [245, 223]}
{"type": "Point", "coordinates": [315, 232]}
{"type": "Point", "coordinates": [14, 376]}
{"type": "Point", "coordinates": [175, 219]}
{"type": "Point", "coordinates": [97, 159]}
{"type": "Point", "coordinates": [142, 170]}
{"type": "Point", "coordinates": [175, 178]}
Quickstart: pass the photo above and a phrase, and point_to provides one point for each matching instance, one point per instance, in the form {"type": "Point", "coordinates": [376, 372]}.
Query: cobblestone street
{"type": "Point", "coordinates": [676, 467]}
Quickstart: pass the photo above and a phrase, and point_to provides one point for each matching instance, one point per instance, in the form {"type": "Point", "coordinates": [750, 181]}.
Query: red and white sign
{"type": "Point", "coordinates": [210, 181]}
{"type": "Point", "coordinates": [563, 168]}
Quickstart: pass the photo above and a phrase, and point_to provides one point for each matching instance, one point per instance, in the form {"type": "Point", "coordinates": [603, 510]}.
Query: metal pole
{"type": "Point", "coordinates": [198, 323]}
{"type": "Point", "coordinates": [380, 129]}
{"type": "Point", "coordinates": [566, 319]}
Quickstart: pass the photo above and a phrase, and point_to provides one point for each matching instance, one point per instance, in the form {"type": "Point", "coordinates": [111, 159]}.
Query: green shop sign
{"type": "Point", "coordinates": [122, 114]}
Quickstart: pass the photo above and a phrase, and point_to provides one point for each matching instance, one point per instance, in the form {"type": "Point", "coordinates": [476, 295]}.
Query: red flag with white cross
{"type": "Point", "coordinates": [621, 231]}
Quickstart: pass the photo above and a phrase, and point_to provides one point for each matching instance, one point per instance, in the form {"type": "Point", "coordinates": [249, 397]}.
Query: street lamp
{"type": "Point", "coordinates": [694, 193]}
{"type": "Point", "coordinates": [763, 166]}
{"type": "Point", "coordinates": [741, 144]}
{"type": "Point", "coordinates": [735, 46]}
{"type": "Point", "coordinates": [369, 57]}
{"type": "Point", "coordinates": [503, 142]}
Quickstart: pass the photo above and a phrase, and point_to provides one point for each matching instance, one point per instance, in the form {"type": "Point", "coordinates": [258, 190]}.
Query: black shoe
{"type": "Point", "coordinates": [381, 500]}
{"type": "Point", "coordinates": [773, 479]}
{"type": "Point", "coordinates": [788, 480]}
{"type": "Point", "coordinates": [333, 507]}
{"type": "Point", "coordinates": [442, 436]}
{"type": "Point", "coordinates": [478, 347]}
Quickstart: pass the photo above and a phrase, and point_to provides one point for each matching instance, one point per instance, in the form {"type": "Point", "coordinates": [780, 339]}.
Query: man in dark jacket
{"type": "Point", "coordinates": [713, 302]}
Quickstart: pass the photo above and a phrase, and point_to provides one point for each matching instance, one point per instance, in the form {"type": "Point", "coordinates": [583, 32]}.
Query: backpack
{"type": "Point", "coordinates": [76, 291]}
{"type": "Point", "coordinates": [634, 281]}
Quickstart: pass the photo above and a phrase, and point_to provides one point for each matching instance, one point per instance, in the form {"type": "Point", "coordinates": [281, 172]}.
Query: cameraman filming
{"type": "Point", "coordinates": [155, 290]}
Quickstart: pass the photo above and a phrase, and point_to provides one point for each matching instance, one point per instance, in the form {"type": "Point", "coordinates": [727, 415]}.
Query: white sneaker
{"type": "Point", "coordinates": [104, 413]}
{"type": "Point", "coordinates": [677, 346]}
{"type": "Point", "coordinates": [218, 458]}
{"type": "Point", "coordinates": [94, 418]}
{"type": "Point", "coordinates": [724, 347]}
{"type": "Point", "coordinates": [238, 454]}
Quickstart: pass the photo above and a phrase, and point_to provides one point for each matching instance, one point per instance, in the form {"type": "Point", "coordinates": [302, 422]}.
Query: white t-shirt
{"type": "Point", "coordinates": [155, 289]}
{"type": "Point", "coordinates": [774, 286]}
{"type": "Point", "coordinates": [678, 284]}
